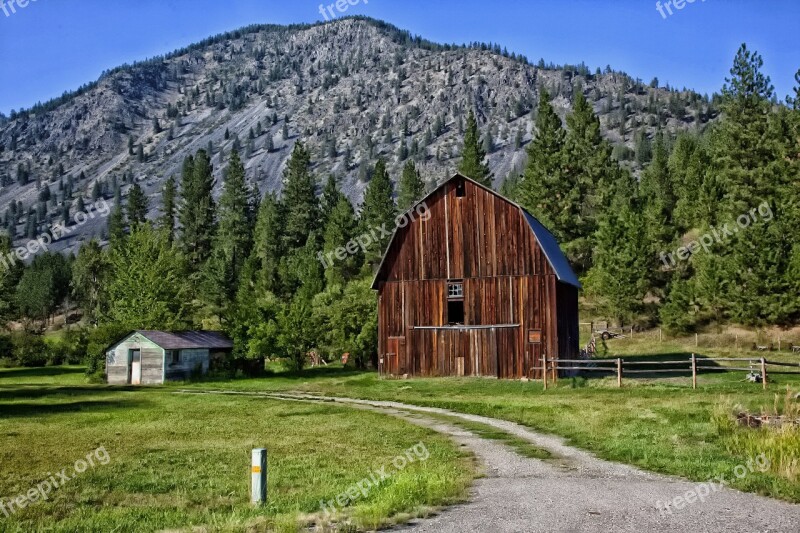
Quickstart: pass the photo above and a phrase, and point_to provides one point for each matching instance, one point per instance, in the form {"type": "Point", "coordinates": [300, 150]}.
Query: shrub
{"type": "Point", "coordinates": [29, 349]}
{"type": "Point", "coordinates": [74, 346]}
{"type": "Point", "coordinates": [6, 347]}
{"type": "Point", "coordinates": [98, 340]}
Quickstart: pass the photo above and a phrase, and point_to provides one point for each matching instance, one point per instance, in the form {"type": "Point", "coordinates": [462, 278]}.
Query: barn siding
{"type": "Point", "coordinates": [485, 241]}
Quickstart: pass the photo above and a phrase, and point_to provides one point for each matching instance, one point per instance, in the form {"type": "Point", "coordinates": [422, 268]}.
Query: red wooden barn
{"type": "Point", "coordinates": [476, 287]}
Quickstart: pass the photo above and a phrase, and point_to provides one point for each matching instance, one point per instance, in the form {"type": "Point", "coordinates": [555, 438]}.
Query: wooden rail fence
{"type": "Point", "coordinates": [695, 365]}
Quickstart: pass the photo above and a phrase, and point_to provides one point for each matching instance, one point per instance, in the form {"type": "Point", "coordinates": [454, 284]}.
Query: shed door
{"type": "Point", "coordinates": [135, 358]}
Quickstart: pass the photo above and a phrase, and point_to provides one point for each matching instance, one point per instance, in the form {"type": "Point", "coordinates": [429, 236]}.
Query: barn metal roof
{"type": "Point", "coordinates": [558, 261]}
{"type": "Point", "coordinates": [552, 251]}
{"type": "Point", "coordinates": [188, 340]}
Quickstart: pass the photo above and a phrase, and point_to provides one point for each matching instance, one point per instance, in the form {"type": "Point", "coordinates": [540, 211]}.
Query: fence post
{"type": "Point", "coordinates": [659, 335]}
{"type": "Point", "coordinates": [694, 371]}
{"type": "Point", "coordinates": [764, 373]}
{"type": "Point", "coordinates": [619, 372]}
{"type": "Point", "coordinates": [258, 476]}
{"type": "Point", "coordinates": [695, 340]}
{"type": "Point", "coordinates": [544, 372]}
{"type": "Point", "coordinates": [737, 342]}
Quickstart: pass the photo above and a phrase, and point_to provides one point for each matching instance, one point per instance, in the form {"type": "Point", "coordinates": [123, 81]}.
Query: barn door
{"type": "Point", "coordinates": [396, 356]}
{"type": "Point", "coordinates": [135, 364]}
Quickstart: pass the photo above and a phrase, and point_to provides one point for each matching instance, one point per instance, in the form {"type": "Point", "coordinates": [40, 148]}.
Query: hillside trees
{"type": "Point", "coordinates": [473, 154]}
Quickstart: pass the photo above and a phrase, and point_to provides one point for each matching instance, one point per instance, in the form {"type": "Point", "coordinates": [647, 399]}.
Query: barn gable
{"type": "Point", "coordinates": [494, 212]}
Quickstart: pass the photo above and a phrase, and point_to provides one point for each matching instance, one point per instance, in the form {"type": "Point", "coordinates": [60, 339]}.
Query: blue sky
{"type": "Point", "coordinates": [53, 45]}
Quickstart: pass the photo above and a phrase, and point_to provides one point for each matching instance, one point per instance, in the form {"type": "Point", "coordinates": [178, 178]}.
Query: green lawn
{"type": "Point", "coordinates": [181, 460]}
{"type": "Point", "coordinates": [658, 424]}
{"type": "Point", "coordinates": [177, 461]}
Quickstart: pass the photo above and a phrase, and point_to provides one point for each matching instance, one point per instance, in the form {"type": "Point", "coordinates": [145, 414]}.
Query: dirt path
{"type": "Point", "coordinates": [575, 491]}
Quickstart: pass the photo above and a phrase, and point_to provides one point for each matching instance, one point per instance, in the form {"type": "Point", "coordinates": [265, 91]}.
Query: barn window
{"type": "Point", "coordinates": [455, 302]}
{"type": "Point", "coordinates": [174, 357]}
{"type": "Point", "coordinates": [460, 189]}
{"type": "Point", "coordinates": [455, 290]}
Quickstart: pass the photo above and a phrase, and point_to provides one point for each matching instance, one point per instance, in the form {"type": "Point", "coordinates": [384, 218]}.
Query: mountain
{"type": "Point", "coordinates": [353, 90]}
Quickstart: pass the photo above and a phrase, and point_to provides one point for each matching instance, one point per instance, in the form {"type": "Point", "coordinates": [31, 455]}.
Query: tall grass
{"type": "Point", "coordinates": [779, 443]}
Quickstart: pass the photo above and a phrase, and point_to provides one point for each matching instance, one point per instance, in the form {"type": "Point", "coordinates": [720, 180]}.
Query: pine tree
{"type": "Point", "coordinates": [339, 230]}
{"type": "Point", "coordinates": [590, 171]}
{"type": "Point", "coordinates": [329, 198]}
{"type": "Point", "coordinates": [618, 280]}
{"type": "Point", "coordinates": [89, 276]}
{"type": "Point", "coordinates": [9, 277]}
{"type": "Point", "coordinates": [137, 205]}
{"type": "Point", "coordinates": [268, 242]}
{"type": "Point", "coordinates": [233, 240]}
{"type": "Point", "coordinates": [544, 190]}
{"type": "Point", "coordinates": [299, 198]}
{"type": "Point", "coordinates": [196, 210]}
{"type": "Point", "coordinates": [411, 187]}
{"type": "Point", "coordinates": [168, 208]}
{"type": "Point", "coordinates": [377, 211]}
{"type": "Point", "coordinates": [658, 201]}
{"type": "Point", "coordinates": [116, 224]}
{"type": "Point", "coordinates": [687, 165]}
{"type": "Point", "coordinates": [750, 166]}
{"type": "Point", "coordinates": [473, 155]}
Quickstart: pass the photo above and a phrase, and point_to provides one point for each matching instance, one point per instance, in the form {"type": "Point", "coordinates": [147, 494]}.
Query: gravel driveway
{"type": "Point", "coordinates": [575, 491]}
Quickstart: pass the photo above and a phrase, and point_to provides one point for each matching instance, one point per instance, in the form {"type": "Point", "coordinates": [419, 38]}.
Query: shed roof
{"type": "Point", "coordinates": [552, 251]}
{"type": "Point", "coordinates": [187, 340]}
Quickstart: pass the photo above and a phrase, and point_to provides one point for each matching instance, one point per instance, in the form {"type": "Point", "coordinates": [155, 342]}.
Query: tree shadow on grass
{"type": "Point", "coordinates": [15, 392]}
{"type": "Point", "coordinates": [46, 371]}
{"type": "Point", "coordinates": [33, 409]}
{"type": "Point", "coordinates": [305, 374]}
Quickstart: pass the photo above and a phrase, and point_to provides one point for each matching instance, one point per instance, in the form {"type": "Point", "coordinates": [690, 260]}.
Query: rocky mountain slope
{"type": "Point", "coordinates": [353, 90]}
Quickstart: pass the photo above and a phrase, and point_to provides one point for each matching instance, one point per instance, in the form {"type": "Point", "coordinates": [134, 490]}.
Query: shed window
{"type": "Point", "coordinates": [174, 357]}
{"type": "Point", "coordinates": [460, 189]}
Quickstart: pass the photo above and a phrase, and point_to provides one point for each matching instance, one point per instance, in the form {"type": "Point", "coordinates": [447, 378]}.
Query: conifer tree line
{"type": "Point", "coordinates": [240, 263]}
{"type": "Point", "coordinates": [249, 264]}
{"type": "Point", "coordinates": [617, 230]}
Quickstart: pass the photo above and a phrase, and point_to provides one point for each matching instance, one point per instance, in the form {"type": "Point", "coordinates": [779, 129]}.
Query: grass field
{"type": "Point", "coordinates": [177, 461]}
{"type": "Point", "coordinates": [181, 460]}
{"type": "Point", "coordinates": [659, 424]}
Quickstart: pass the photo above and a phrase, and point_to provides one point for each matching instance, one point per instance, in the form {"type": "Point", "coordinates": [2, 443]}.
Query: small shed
{"type": "Point", "coordinates": [153, 357]}
{"type": "Point", "coordinates": [477, 287]}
